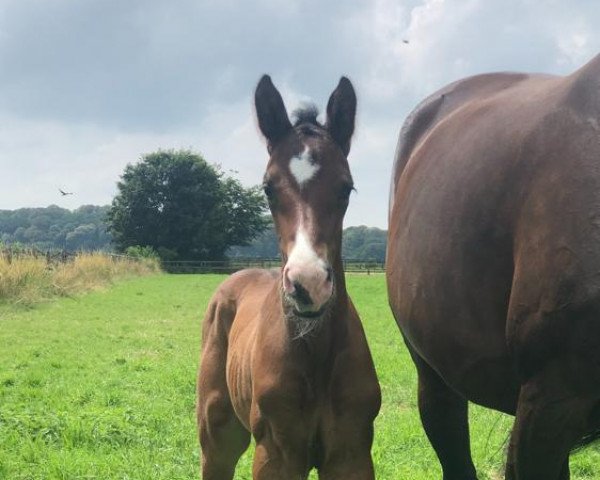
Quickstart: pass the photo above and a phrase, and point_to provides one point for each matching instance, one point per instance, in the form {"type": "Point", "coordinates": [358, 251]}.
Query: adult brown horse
{"type": "Point", "coordinates": [284, 354]}
{"type": "Point", "coordinates": [493, 263]}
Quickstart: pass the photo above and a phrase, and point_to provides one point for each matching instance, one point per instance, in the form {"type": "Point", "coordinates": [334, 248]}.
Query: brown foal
{"type": "Point", "coordinates": [284, 355]}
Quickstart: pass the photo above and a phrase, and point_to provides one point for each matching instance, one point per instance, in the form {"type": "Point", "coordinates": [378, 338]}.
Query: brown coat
{"type": "Point", "coordinates": [284, 355]}
{"type": "Point", "coordinates": [493, 262]}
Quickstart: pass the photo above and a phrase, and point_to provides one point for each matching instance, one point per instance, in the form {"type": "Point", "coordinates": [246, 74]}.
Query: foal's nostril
{"type": "Point", "coordinates": [301, 294]}
{"type": "Point", "coordinates": [288, 285]}
{"type": "Point", "coordinates": [329, 274]}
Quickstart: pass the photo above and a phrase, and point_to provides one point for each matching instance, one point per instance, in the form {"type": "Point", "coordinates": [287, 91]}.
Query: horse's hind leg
{"type": "Point", "coordinates": [223, 438]}
{"type": "Point", "coordinates": [551, 418]}
{"type": "Point", "coordinates": [444, 415]}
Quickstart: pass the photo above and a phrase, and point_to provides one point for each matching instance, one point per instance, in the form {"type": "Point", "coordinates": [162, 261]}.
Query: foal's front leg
{"type": "Point", "coordinates": [282, 443]}
{"type": "Point", "coordinates": [346, 427]}
{"type": "Point", "coordinates": [350, 456]}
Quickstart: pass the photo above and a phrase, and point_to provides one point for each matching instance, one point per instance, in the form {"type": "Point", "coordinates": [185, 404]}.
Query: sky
{"type": "Point", "coordinates": [87, 87]}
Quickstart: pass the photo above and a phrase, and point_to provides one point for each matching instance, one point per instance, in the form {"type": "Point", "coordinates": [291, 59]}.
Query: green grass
{"type": "Point", "coordinates": [102, 387]}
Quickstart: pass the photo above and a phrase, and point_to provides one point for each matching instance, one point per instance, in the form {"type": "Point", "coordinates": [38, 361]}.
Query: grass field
{"type": "Point", "coordinates": [102, 387]}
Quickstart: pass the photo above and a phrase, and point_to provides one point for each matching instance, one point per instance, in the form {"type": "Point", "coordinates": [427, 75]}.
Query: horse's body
{"type": "Point", "coordinates": [284, 355]}
{"type": "Point", "coordinates": [493, 263]}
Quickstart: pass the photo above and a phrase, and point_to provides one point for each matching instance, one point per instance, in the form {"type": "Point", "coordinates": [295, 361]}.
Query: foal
{"type": "Point", "coordinates": [284, 355]}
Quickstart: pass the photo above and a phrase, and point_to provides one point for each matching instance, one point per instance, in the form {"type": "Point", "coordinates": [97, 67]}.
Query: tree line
{"type": "Point", "coordinates": [56, 228]}
{"type": "Point", "coordinates": [175, 205]}
{"type": "Point", "coordinates": [358, 243]}
{"type": "Point", "coordinates": [86, 228]}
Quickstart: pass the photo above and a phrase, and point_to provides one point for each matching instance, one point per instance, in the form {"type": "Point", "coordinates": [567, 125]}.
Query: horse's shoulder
{"type": "Point", "coordinates": [235, 290]}
{"type": "Point", "coordinates": [248, 278]}
{"type": "Point", "coordinates": [255, 274]}
{"type": "Point", "coordinates": [239, 282]}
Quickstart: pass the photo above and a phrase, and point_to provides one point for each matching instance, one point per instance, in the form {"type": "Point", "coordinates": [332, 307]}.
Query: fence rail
{"type": "Point", "coordinates": [52, 257]}
{"type": "Point", "coordinates": [233, 265]}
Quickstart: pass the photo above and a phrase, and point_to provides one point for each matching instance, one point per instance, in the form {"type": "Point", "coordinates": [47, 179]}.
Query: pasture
{"type": "Point", "coordinates": [103, 386]}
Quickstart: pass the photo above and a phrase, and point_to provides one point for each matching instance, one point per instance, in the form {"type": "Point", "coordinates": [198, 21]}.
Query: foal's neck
{"type": "Point", "coordinates": [340, 282]}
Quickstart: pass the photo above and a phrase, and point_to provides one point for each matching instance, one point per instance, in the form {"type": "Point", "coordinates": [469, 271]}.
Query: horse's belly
{"type": "Point", "coordinates": [239, 369]}
{"type": "Point", "coordinates": [482, 373]}
{"type": "Point", "coordinates": [451, 307]}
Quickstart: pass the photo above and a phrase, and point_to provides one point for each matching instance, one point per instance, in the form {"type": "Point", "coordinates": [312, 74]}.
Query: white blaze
{"type": "Point", "coordinates": [303, 167]}
{"type": "Point", "coordinates": [304, 266]}
{"type": "Point", "coordinates": [303, 253]}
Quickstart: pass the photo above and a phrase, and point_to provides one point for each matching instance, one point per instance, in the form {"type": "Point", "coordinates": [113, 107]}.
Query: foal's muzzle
{"type": "Point", "coordinates": [308, 287]}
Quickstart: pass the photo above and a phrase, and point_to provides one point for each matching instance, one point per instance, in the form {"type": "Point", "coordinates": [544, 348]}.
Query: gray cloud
{"type": "Point", "coordinates": [158, 65]}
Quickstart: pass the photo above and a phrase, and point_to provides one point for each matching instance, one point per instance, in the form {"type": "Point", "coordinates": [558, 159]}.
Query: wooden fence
{"type": "Point", "coordinates": [51, 256]}
{"type": "Point", "coordinates": [187, 266]}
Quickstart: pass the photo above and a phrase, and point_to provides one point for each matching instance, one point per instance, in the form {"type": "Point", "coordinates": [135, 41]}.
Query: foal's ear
{"type": "Point", "coordinates": [272, 117]}
{"type": "Point", "coordinates": [341, 110]}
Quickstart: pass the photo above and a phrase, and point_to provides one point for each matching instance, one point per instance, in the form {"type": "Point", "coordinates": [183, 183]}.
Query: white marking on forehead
{"type": "Point", "coordinates": [303, 167]}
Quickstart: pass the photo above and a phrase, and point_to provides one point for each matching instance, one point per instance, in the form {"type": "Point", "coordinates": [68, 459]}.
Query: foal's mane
{"type": "Point", "coordinates": [306, 123]}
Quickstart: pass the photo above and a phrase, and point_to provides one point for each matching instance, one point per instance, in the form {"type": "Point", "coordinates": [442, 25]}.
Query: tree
{"type": "Point", "coordinates": [83, 237]}
{"type": "Point", "coordinates": [264, 245]}
{"type": "Point", "coordinates": [49, 228]}
{"type": "Point", "coordinates": [364, 243]}
{"type": "Point", "coordinates": [183, 207]}
{"type": "Point", "coordinates": [358, 243]}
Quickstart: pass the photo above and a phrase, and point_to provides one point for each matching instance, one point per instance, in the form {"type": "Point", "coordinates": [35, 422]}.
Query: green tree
{"type": "Point", "coordinates": [183, 207]}
{"type": "Point", "coordinates": [84, 237]}
{"type": "Point", "coordinates": [50, 227]}
{"type": "Point", "coordinates": [364, 243]}
{"type": "Point", "coordinates": [265, 245]}
{"type": "Point", "coordinates": [358, 243]}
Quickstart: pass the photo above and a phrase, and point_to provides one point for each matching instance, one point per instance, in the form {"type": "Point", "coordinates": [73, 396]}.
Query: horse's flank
{"type": "Point", "coordinates": [493, 258]}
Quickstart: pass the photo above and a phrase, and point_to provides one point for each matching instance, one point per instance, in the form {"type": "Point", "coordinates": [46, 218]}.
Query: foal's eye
{"type": "Point", "coordinates": [269, 191]}
{"type": "Point", "coordinates": [345, 192]}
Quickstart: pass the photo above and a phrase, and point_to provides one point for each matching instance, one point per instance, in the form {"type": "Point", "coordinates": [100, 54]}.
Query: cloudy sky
{"type": "Point", "coordinates": [89, 86]}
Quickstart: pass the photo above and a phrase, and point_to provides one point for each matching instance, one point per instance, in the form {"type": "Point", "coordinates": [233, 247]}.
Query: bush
{"type": "Point", "coordinates": [27, 280]}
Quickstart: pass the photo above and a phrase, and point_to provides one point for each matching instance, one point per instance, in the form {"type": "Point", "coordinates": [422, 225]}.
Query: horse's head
{"type": "Point", "coordinates": [308, 184]}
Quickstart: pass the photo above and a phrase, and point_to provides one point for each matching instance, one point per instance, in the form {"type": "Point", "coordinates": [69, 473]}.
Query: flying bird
{"type": "Point", "coordinates": [63, 193]}
{"type": "Point", "coordinates": [404, 40]}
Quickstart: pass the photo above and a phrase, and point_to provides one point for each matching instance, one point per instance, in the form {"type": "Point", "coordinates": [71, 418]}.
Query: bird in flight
{"type": "Point", "coordinates": [63, 193]}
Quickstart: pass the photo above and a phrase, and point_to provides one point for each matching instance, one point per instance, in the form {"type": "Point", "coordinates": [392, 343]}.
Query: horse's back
{"type": "Point", "coordinates": [493, 205]}
{"type": "Point", "coordinates": [516, 92]}
{"type": "Point", "coordinates": [440, 105]}
{"type": "Point", "coordinates": [242, 291]}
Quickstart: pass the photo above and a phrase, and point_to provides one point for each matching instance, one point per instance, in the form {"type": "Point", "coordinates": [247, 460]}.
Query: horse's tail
{"type": "Point", "coordinates": [593, 434]}
{"type": "Point", "coordinates": [587, 440]}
